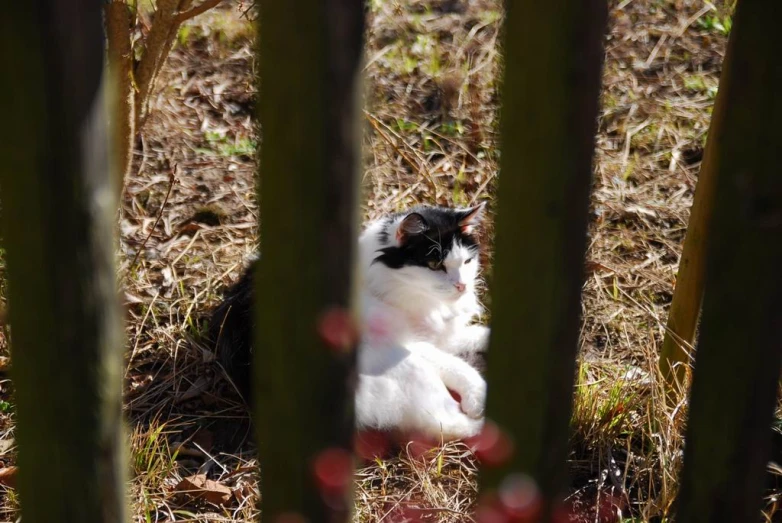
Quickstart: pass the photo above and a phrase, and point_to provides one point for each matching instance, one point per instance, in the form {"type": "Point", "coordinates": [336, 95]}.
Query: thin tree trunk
{"type": "Point", "coordinates": [688, 294]}
{"type": "Point", "coordinates": [310, 66]}
{"type": "Point", "coordinates": [132, 88]}
{"type": "Point", "coordinates": [553, 56]}
{"type": "Point", "coordinates": [737, 365]}
{"type": "Point", "coordinates": [57, 227]}
{"type": "Point", "coordinates": [156, 47]}
{"type": "Point", "coordinates": [122, 99]}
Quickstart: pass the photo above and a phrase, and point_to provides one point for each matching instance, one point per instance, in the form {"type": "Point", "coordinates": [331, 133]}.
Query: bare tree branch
{"type": "Point", "coordinates": [192, 13]}
{"type": "Point", "coordinates": [155, 52]}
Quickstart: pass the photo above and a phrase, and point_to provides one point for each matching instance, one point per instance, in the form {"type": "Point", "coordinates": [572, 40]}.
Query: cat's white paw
{"type": "Point", "coordinates": [473, 428]}
{"type": "Point", "coordinates": [474, 402]}
{"type": "Point", "coordinates": [480, 338]}
{"type": "Point", "coordinates": [459, 427]}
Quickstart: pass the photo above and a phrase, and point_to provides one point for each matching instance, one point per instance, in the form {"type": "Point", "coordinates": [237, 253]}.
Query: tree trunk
{"type": "Point", "coordinates": [310, 67]}
{"type": "Point", "coordinates": [58, 209]}
{"type": "Point", "coordinates": [156, 48]}
{"type": "Point", "coordinates": [688, 294]}
{"type": "Point", "coordinates": [737, 365]}
{"type": "Point", "coordinates": [553, 56]}
{"type": "Point", "coordinates": [122, 99]}
{"type": "Point", "coordinates": [131, 88]}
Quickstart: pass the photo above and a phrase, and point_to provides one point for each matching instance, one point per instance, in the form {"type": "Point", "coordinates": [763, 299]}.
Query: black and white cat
{"type": "Point", "coordinates": [417, 274]}
{"type": "Point", "coordinates": [424, 263]}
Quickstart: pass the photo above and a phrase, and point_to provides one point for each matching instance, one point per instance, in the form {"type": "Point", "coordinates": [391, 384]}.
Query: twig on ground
{"type": "Point", "coordinates": [171, 180]}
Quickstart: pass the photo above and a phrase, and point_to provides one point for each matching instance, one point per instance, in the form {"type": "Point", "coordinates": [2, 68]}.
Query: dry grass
{"type": "Point", "coordinates": [189, 221]}
{"type": "Point", "coordinates": [436, 485]}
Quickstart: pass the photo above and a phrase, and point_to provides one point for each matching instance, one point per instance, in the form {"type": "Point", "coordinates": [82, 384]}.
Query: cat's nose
{"type": "Point", "coordinates": [460, 286]}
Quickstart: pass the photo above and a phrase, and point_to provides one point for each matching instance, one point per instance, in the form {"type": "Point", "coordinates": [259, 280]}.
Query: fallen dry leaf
{"type": "Point", "coordinates": [199, 487]}
{"type": "Point", "coordinates": [591, 266]}
{"type": "Point", "coordinates": [8, 476]}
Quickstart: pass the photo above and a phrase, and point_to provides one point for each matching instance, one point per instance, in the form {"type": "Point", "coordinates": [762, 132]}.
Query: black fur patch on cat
{"type": "Point", "coordinates": [231, 332]}
{"type": "Point", "coordinates": [428, 233]}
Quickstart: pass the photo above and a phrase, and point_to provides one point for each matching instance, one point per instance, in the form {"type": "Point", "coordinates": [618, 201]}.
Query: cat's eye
{"type": "Point", "coordinates": [435, 265]}
{"type": "Point", "coordinates": [468, 260]}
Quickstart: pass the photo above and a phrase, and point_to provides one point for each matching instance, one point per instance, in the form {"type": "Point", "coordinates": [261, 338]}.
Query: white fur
{"type": "Point", "coordinates": [405, 386]}
{"type": "Point", "coordinates": [416, 321]}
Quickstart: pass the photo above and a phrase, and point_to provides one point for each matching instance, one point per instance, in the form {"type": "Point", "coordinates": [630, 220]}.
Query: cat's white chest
{"type": "Point", "coordinates": [436, 326]}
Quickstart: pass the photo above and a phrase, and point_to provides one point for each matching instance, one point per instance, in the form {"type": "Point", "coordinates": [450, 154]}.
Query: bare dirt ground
{"type": "Point", "coordinates": [189, 220]}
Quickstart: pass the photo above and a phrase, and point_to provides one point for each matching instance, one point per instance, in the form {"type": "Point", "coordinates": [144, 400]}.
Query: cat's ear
{"type": "Point", "coordinates": [412, 224]}
{"type": "Point", "coordinates": [471, 217]}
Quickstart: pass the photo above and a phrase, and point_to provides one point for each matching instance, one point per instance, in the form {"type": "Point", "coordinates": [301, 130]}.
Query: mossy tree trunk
{"type": "Point", "coordinates": [310, 66]}
{"type": "Point", "coordinates": [553, 56]}
{"type": "Point", "coordinates": [58, 208]}
{"type": "Point", "coordinates": [737, 365]}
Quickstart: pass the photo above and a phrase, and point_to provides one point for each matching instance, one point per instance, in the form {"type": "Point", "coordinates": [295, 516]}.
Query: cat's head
{"type": "Point", "coordinates": [433, 249]}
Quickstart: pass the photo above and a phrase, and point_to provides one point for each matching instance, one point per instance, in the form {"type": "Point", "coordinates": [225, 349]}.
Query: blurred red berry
{"type": "Point", "coordinates": [492, 447]}
{"type": "Point", "coordinates": [333, 469]}
{"type": "Point", "coordinates": [338, 329]}
{"type": "Point", "coordinates": [520, 498]}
